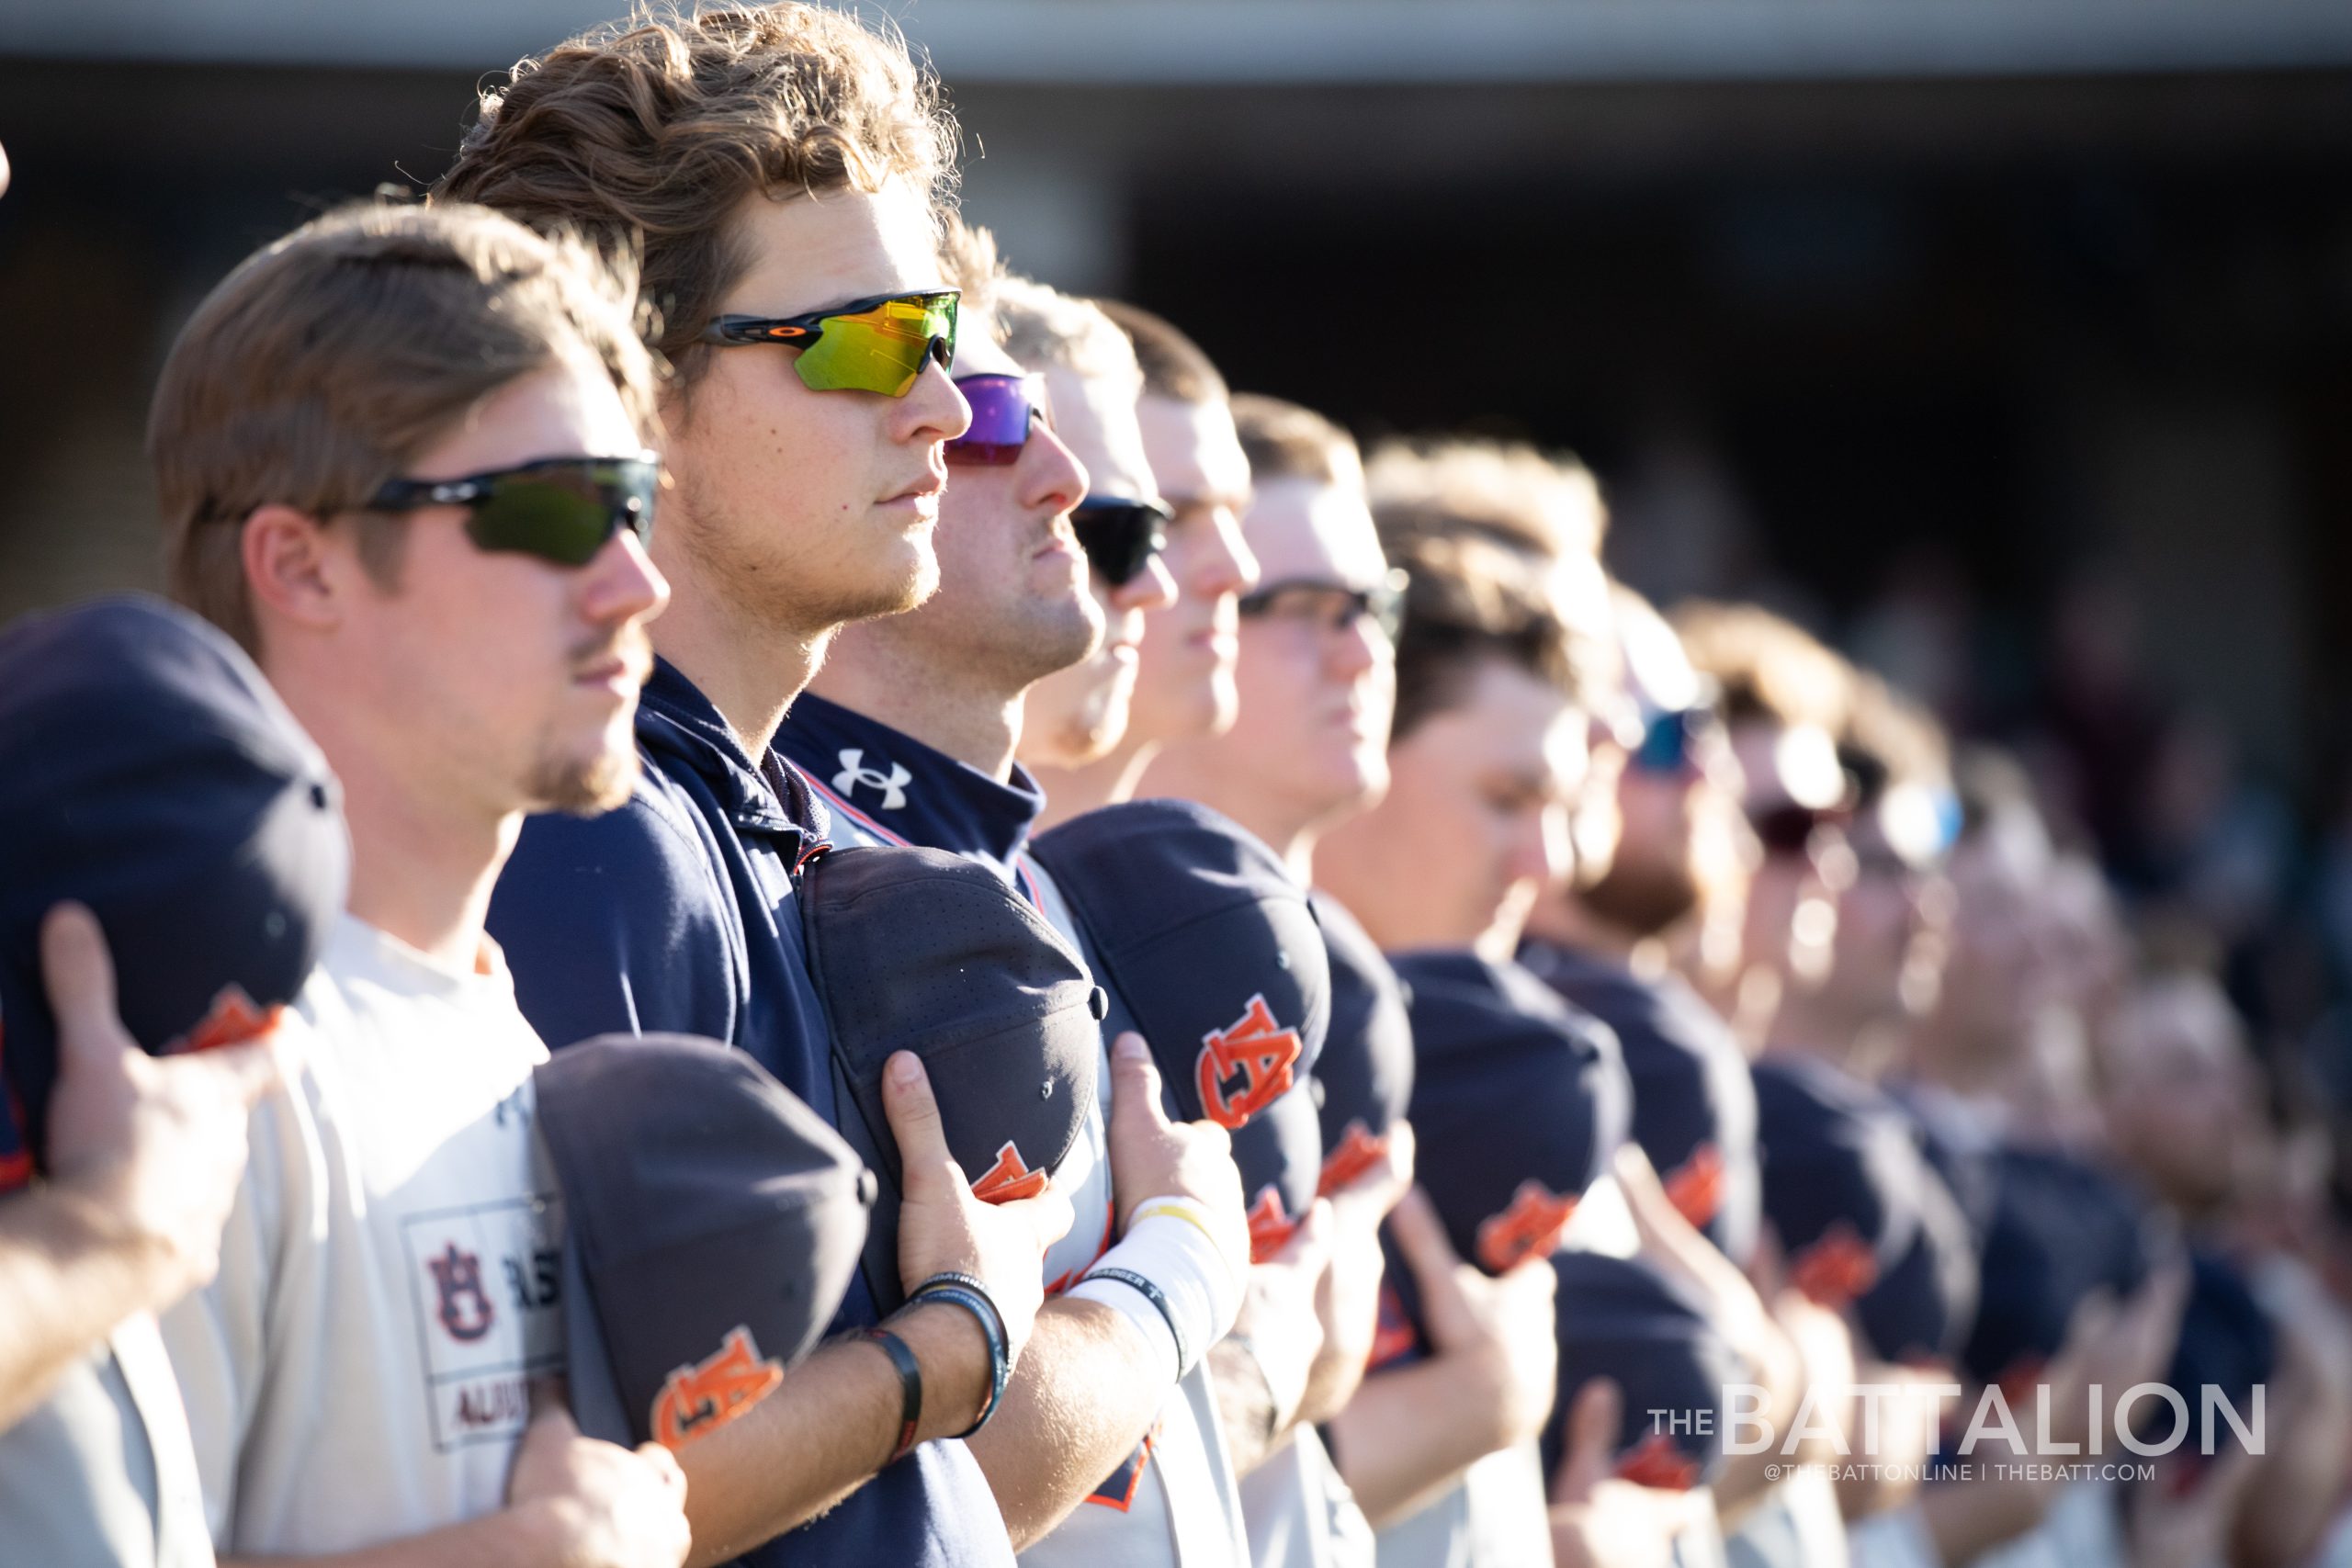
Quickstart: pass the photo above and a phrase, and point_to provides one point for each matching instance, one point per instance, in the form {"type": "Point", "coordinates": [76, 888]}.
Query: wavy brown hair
{"type": "Point", "coordinates": [650, 132]}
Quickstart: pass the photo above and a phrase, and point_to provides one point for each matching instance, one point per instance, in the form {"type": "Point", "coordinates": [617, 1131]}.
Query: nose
{"type": "Point", "coordinates": [623, 584]}
{"type": "Point", "coordinates": [1226, 565]}
{"type": "Point", "coordinates": [1153, 588]}
{"type": "Point", "coordinates": [1050, 477]}
{"type": "Point", "coordinates": [1540, 850]}
{"type": "Point", "coordinates": [934, 410]}
{"type": "Point", "coordinates": [1360, 646]}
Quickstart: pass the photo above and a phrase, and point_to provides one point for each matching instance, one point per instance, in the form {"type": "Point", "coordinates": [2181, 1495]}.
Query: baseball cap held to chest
{"type": "Point", "coordinates": [920, 950]}
{"type": "Point", "coordinates": [148, 770]}
{"type": "Point", "coordinates": [711, 1224]}
{"type": "Point", "coordinates": [1519, 1100]}
{"type": "Point", "coordinates": [1207, 946]}
{"type": "Point", "coordinates": [1363, 1079]}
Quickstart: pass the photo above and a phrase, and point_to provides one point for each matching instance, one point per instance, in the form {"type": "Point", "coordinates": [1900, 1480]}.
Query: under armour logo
{"type": "Point", "coordinates": [893, 785]}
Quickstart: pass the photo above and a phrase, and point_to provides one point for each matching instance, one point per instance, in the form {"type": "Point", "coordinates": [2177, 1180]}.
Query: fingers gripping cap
{"type": "Point", "coordinates": [1518, 1102]}
{"type": "Point", "coordinates": [712, 1224]}
{"type": "Point", "coordinates": [1364, 1078]}
{"type": "Point", "coordinates": [1622, 1319]}
{"type": "Point", "coordinates": [919, 950]}
{"type": "Point", "coordinates": [1208, 947]}
{"type": "Point", "coordinates": [147, 770]}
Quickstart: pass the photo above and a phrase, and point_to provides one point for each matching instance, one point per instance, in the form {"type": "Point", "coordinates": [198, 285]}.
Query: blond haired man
{"type": "Point", "coordinates": [402, 459]}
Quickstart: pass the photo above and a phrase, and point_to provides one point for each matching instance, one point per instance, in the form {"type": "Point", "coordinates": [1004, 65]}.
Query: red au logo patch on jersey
{"type": "Point", "coordinates": [1008, 1178]}
{"type": "Point", "coordinates": [1530, 1227]}
{"type": "Point", "coordinates": [234, 1018]}
{"type": "Point", "coordinates": [1655, 1461]}
{"type": "Point", "coordinates": [1269, 1228]}
{"type": "Point", "coordinates": [1358, 1152]}
{"type": "Point", "coordinates": [697, 1400]}
{"type": "Point", "coordinates": [1256, 1050]}
{"type": "Point", "coordinates": [465, 1311]}
{"type": "Point", "coordinates": [1696, 1187]}
{"type": "Point", "coordinates": [1836, 1269]}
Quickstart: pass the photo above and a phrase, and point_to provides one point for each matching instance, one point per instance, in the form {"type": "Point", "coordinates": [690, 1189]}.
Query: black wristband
{"type": "Point", "coordinates": [1151, 1293]}
{"type": "Point", "coordinates": [984, 1311]}
{"type": "Point", "coordinates": [909, 1372]}
{"type": "Point", "coordinates": [971, 1283]}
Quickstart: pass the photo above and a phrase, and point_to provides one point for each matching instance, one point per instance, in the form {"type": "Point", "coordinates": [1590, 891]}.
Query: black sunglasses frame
{"type": "Point", "coordinates": [803, 331]}
{"type": "Point", "coordinates": [1382, 602]}
{"type": "Point", "coordinates": [1141, 530]}
{"type": "Point", "coordinates": [627, 505]}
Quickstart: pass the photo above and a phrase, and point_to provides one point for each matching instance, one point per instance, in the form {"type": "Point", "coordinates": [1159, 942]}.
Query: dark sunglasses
{"type": "Point", "coordinates": [1335, 605]}
{"type": "Point", "coordinates": [1789, 828]}
{"type": "Point", "coordinates": [1004, 409]}
{"type": "Point", "coordinates": [1671, 740]}
{"type": "Point", "coordinates": [873, 345]}
{"type": "Point", "coordinates": [560, 509]}
{"type": "Point", "coordinates": [1120, 536]}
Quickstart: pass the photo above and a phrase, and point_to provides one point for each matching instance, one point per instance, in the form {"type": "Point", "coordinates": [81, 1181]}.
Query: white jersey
{"type": "Point", "coordinates": [1174, 1502]}
{"type": "Point", "coordinates": [1496, 1515]}
{"type": "Point", "coordinates": [359, 1371]}
{"type": "Point", "coordinates": [1300, 1514]}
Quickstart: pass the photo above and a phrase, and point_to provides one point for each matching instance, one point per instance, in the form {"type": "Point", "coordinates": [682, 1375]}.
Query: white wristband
{"type": "Point", "coordinates": [1169, 1244]}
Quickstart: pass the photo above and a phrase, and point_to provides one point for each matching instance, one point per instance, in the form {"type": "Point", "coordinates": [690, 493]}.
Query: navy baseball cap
{"type": "Point", "coordinates": [1694, 1102]}
{"type": "Point", "coordinates": [1207, 946]}
{"type": "Point", "coordinates": [1279, 1154]}
{"type": "Point", "coordinates": [1841, 1177]}
{"type": "Point", "coordinates": [2061, 1229]}
{"type": "Point", "coordinates": [1621, 1318]}
{"type": "Point", "coordinates": [2227, 1345]}
{"type": "Point", "coordinates": [1364, 1081]}
{"type": "Point", "coordinates": [1519, 1100]}
{"type": "Point", "coordinates": [149, 771]}
{"type": "Point", "coordinates": [914, 949]}
{"type": "Point", "coordinates": [712, 1223]}
{"type": "Point", "coordinates": [1921, 1309]}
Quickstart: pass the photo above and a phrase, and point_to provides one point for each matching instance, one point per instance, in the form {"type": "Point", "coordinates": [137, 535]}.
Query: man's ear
{"type": "Point", "coordinates": [290, 568]}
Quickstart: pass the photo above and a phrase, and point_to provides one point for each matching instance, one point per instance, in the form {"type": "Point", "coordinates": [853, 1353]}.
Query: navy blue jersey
{"type": "Point", "coordinates": [673, 914]}
{"type": "Point", "coordinates": [896, 790]}
{"type": "Point", "coordinates": [1694, 1103]}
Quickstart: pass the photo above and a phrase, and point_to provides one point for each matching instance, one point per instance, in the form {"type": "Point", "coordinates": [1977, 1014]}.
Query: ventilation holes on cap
{"type": "Point", "coordinates": [1098, 1002]}
{"type": "Point", "coordinates": [1046, 1090]}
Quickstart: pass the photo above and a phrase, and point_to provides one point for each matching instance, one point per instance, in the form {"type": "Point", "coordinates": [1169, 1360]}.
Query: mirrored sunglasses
{"type": "Point", "coordinates": [562, 509]}
{"type": "Point", "coordinates": [1004, 409]}
{"type": "Point", "coordinates": [873, 345]}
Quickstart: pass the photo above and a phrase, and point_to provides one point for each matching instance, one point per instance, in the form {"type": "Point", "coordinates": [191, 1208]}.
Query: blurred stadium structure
{"type": "Point", "coordinates": [2010, 340]}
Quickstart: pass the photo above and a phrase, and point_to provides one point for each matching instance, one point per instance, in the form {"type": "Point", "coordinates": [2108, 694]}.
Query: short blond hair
{"type": "Point", "coordinates": [1548, 503]}
{"type": "Point", "coordinates": [326, 362]}
{"type": "Point", "coordinates": [651, 132]}
{"type": "Point", "coordinates": [1289, 441]}
{"type": "Point", "coordinates": [1767, 666]}
{"type": "Point", "coordinates": [1045, 329]}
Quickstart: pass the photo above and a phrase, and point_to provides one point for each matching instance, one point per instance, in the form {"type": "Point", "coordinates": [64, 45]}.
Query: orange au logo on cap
{"type": "Point", "coordinates": [235, 1019]}
{"type": "Point", "coordinates": [697, 1400]}
{"type": "Point", "coordinates": [1696, 1187]}
{"type": "Point", "coordinates": [1358, 1152]}
{"type": "Point", "coordinates": [1257, 1048]}
{"type": "Point", "coordinates": [1008, 1178]}
{"type": "Point", "coordinates": [1836, 1269]}
{"type": "Point", "coordinates": [1530, 1227]}
{"type": "Point", "coordinates": [1269, 1228]}
{"type": "Point", "coordinates": [1655, 1461]}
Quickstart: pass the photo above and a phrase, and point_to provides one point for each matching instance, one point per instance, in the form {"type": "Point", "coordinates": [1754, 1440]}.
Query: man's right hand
{"type": "Point", "coordinates": [1154, 1158]}
{"type": "Point", "coordinates": [1499, 1329]}
{"type": "Point", "coordinates": [943, 1228]}
{"type": "Point", "coordinates": [600, 1506]}
{"type": "Point", "coordinates": [151, 1149]}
